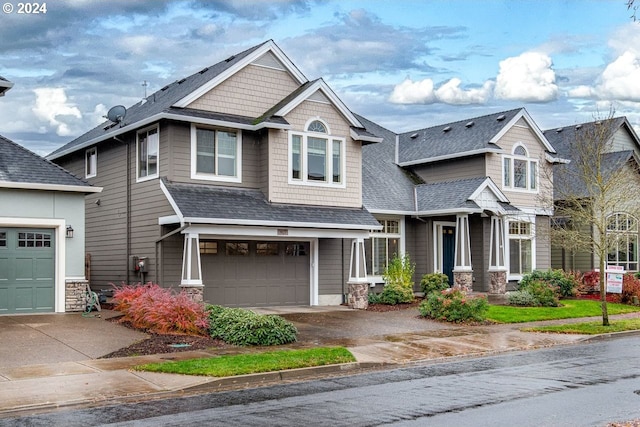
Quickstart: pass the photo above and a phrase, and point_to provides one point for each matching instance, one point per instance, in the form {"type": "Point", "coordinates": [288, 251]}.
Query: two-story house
{"type": "Point", "coordinates": [241, 182]}
{"type": "Point", "coordinates": [619, 147]}
{"type": "Point", "coordinates": [41, 232]}
{"type": "Point", "coordinates": [466, 199]}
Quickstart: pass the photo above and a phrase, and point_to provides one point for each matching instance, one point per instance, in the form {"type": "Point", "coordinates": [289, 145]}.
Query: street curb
{"type": "Point", "coordinates": [609, 335]}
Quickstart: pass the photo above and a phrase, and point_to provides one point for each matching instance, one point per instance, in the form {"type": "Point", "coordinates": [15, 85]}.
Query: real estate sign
{"type": "Point", "coordinates": [614, 279]}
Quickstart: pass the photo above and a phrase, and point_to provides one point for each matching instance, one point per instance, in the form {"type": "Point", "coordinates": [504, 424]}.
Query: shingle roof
{"type": "Point", "coordinates": [5, 85]}
{"type": "Point", "coordinates": [448, 195]}
{"type": "Point", "coordinates": [563, 138]}
{"type": "Point", "coordinates": [19, 165]}
{"type": "Point", "coordinates": [385, 185]}
{"type": "Point", "coordinates": [224, 205]}
{"type": "Point", "coordinates": [160, 101]}
{"type": "Point", "coordinates": [450, 139]}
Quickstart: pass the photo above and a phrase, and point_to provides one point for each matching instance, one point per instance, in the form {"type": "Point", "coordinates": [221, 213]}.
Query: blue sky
{"type": "Point", "coordinates": [405, 64]}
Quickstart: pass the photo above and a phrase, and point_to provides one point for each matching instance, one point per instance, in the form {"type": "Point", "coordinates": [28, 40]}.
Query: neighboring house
{"type": "Point", "coordinates": [241, 183]}
{"type": "Point", "coordinates": [41, 233]}
{"type": "Point", "coordinates": [623, 146]}
{"type": "Point", "coordinates": [5, 85]}
{"type": "Point", "coordinates": [463, 198]}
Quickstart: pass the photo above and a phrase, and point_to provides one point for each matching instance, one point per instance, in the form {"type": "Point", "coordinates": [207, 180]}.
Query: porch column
{"type": "Point", "coordinates": [358, 284]}
{"type": "Point", "coordinates": [191, 268]}
{"type": "Point", "coordinates": [497, 264]}
{"type": "Point", "coordinates": [462, 270]}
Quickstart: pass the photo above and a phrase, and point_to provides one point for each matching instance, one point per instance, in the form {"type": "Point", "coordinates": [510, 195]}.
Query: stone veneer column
{"type": "Point", "coordinates": [195, 292]}
{"type": "Point", "coordinates": [74, 296]}
{"type": "Point", "coordinates": [358, 295]}
{"type": "Point", "coordinates": [498, 282]}
{"type": "Point", "coordinates": [463, 280]}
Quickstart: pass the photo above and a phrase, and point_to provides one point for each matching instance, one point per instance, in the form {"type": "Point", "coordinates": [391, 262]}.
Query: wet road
{"type": "Point", "coordinates": [578, 385]}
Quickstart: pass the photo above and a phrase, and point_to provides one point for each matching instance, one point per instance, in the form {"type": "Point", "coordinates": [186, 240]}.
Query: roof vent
{"type": "Point", "coordinates": [231, 58]}
{"type": "Point", "coordinates": [165, 88]}
{"type": "Point", "coordinates": [447, 129]}
{"type": "Point", "coordinates": [204, 70]}
{"type": "Point", "coordinates": [559, 130]}
{"type": "Point", "coordinates": [468, 125]}
{"type": "Point", "coordinates": [414, 135]}
{"type": "Point", "coordinates": [181, 81]}
{"type": "Point", "coordinates": [578, 127]}
{"type": "Point", "coordinates": [501, 117]}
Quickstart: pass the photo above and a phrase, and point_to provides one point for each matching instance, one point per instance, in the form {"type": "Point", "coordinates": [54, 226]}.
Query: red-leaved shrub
{"type": "Point", "coordinates": [160, 310]}
{"type": "Point", "coordinates": [590, 282]}
{"type": "Point", "coordinates": [630, 288]}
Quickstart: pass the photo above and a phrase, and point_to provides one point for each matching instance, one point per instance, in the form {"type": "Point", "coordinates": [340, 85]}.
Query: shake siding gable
{"type": "Point", "coordinates": [249, 92]}
{"type": "Point", "coordinates": [622, 141]}
{"type": "Point", "coordinates": [280, 191]}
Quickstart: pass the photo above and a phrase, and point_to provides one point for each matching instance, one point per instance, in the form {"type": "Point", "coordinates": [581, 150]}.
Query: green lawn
{"type": "Point", "coordinates": [590, 328]}
{"type": "Point", "coordinates": [231, 365]}
{"type": "Point", "coordinates": [571, 309]}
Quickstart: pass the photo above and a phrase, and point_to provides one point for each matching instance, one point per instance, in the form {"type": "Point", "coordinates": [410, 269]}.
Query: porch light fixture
{"type": "Point", "coordinates": [69, 232]}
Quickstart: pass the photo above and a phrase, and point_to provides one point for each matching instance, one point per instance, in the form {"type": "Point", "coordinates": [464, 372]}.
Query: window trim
{"type": "Point", "coordinates": [531, 219]}
{"type": "Point", "coordinates": [381, 234]}
{"type": "Point", "coordinates": [627, 234]}
{"type": "Point", "coordinates": [508, 165]}
{"type": "Point", "coordinates": [329, 157]}
{"type": "Point", "coordinates": [138, 133]}
{"type": "Point", "coordinates": [194, 155]}
{"type": "Point", "coordinates": [93, 151]}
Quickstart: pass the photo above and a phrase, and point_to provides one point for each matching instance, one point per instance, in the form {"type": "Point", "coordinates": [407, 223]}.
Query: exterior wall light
{"type": "Point", "coordinates": [69, 232]}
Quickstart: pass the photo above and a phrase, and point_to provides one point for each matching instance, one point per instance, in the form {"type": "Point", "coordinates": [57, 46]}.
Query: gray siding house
{"type": "Point", "coordinates": [623, 151]}
{"type": "Point", "coordinates": [463, 198]}
{"type": "Point", "coordinates": [41, 232]}
{"type": "Point", "coordinates": [241, 183]}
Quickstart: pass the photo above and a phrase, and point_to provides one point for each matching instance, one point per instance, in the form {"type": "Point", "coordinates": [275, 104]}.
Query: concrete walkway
{"type": "Point", "coordinates": [50, 361]}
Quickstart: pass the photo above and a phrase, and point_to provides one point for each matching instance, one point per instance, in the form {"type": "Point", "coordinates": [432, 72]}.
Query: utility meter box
{"type": "Point", "coordinates": [138, 264]}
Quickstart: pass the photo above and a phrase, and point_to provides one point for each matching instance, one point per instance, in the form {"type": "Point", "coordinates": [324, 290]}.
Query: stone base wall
{"type": "Point", "coordinates": [195, 292]}
{"type": "Point", "coordinates": [463, 280]}
{"type": "Point", "coordinates": [358, 295]}
{"type": "Point", "coordinates": [497, 282]}
{"type": "Point", "coordinates": [75, 295]}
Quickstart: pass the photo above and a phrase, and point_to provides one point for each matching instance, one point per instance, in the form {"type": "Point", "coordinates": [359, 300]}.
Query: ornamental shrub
{"type": "Point", "coordinates": [565, 283]}
{"type": "Point", "coordinates": [521, 298]}
{"type": "Point", "coordinates": [373, 298]}
{"type": "Point", "coordinates": [398, 281]}
{"type": "Point", "coordinates": [244, 327]}
{"type": "Point", "coordinates": [630, 288]}
{"type": "Point", "coordinates": [454, 305]}
{"type": "Point", "coordinates": [543, 293]}
{"type": "Point", "coordinates": [434, 282]}
{"type": "Point", "coordinates": [160, 310]}
{"type": "Point", "coordinates": [590, 282]}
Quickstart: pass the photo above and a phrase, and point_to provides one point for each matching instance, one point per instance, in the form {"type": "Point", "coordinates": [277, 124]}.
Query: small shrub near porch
{"type": "Point", "coordinates": [454, 305]}
{"type": "Point", "coordinates": [244, 327]}
{"type": "Point", "coordinates": [434, 282]}
{"type": "Point", "coordinates": [398, 281]}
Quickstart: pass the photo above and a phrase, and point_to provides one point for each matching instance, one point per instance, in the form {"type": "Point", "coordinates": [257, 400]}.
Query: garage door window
{"type": "Point", "coordinates": [237, 248]}
{"type": "Point", "coordinates": [296, 249]}
{"type": "Point", "coordinates": [268, 248]}
{"type": "Point", "coordinates": [3, 239]}
{"type": "Point", "coordinates": [34, 240]}
{"type": "Point", "coordinates": [208, 247]}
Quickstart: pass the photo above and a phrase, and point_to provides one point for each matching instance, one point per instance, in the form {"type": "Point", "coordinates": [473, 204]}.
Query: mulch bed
{"type": "Point", "coordinates": [382, 308]}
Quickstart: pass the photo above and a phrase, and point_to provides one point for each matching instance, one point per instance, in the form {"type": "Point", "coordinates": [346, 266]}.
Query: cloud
{"type": "Point", "coordinates": [423, 92]}
{"type": "Point", "coordinates": [53, 107]}
{"type": "Point", "coordinates": [621, 79]}
{"type": "Point", "coordinates": [451, 93]}
{"type": "Point", "coordinates": [410, 92]}
{"type": "Point", "coordinates": [527, 78]}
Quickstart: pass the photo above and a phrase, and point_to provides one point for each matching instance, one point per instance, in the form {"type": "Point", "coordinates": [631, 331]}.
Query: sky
{"type": "Point", "coordinates": [404, 64]}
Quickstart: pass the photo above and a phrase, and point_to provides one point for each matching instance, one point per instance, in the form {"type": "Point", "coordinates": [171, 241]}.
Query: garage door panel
{"type": "Point", "coordinates": [23, 297]}
{"type": "Point", "coordinates": [43, 269]}
{"type": "Point", "coordinates": [4, 269]}
{"type": "Point", "coordinates": [4, 299]}
{"type": "Point", "coordinates": [24, 268]}
{"type": "Point", "coordinates": [43, 299]}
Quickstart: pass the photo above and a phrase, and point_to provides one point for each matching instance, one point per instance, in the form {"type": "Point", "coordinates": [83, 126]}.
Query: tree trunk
{"type": "Point", "coordinates": [603, 292]}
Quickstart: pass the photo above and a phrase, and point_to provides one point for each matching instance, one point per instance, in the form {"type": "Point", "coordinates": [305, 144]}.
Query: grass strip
{"type": "Point", "coordinates": [570, 309]}
{"type": "Point", "coordinates": [589, 328]}
{"type": "Point", "coordinates": [241, 364]}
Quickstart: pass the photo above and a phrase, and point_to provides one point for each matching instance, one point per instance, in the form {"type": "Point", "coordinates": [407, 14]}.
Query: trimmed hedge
{"type": "Point", "coordinates": [244, 327]}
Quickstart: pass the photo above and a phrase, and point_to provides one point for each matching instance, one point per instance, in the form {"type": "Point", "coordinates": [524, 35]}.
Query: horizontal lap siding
{"type": "Point", "coordinates": [543, 243]}
{"type": "Point", "coordinates": [463, 168]}
{"type": "Point", "coordinates": [333, 261]}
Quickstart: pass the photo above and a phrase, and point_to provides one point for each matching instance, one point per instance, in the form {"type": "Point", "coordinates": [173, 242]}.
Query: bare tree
{"type": "Point", "coordinates": [633, 8]}
{"type": "Point", "coordinates": [591, 191]}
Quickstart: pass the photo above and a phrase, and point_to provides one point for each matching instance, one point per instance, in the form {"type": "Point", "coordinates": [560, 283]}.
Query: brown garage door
{"type": "Point", "coordinates": [254, 273]}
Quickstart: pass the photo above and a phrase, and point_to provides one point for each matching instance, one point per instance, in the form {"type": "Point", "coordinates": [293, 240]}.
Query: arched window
{"type": "Point", "coordinates": [519, 171]}
{"type": "Point", "coordinates": [315, 156]}
{"type": "Point", "coordinates": [317, 126]}
{"type": "Point", "coordinates": [622, 235]}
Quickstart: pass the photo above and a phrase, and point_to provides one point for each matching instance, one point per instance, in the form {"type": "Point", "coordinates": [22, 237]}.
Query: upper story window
{"type": "Point", "coordinates": [91, 162]}
{"type": "Point", "coordinates": [519, 171]}
{"type": "Point", "coordinates": [148, 149]}
{"type": "Point", "coordinates": [315, 156]}
{"type": "Point", "coordinates": [216, 154]}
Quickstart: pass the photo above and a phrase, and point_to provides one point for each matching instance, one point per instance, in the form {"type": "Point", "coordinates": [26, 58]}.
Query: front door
{"type": "Point", "coordinates": [448, 251]}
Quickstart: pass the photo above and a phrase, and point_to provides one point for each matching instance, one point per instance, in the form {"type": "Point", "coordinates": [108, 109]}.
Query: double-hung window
{"type": "Point", "coordinates": [519, 171]}
{"type": "Point", "coordinates": [91, 162]}
{"type": "Point", "coordinates": [148, 153]}
{"type": "Point", "coordinates": [316, 157]}
{"type": "Point", "coordinates": [216, 154]}
{"type": "Point", "coordinates": [385, 244]}
{"type": "Point", "coordinates": [521, 252]}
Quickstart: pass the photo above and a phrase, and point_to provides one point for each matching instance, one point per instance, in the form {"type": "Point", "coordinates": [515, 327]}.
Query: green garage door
{"type": "Point", "coordinates": [27, 270]}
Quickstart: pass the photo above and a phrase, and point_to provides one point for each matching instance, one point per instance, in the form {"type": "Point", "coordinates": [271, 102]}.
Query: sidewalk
{"type": "Point", "coordinates": [375, 339]}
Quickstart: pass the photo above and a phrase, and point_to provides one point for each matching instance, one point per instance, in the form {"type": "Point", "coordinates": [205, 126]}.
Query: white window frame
{"type": "Point", "coordinates": [138, 133]}
{"type": "Point", "coordinates": [625, 235]}
{"type": "Point", "coordinates": [531, 164]}
{"type": "Point", "coordinates": [330, 139]}
{"type": "Point", "coordinates": [384, 234]}
{"type": "Point", "coordinates": [91, 162]}
{"type": "Point", "coordinates": [531, 219]}
{"type": "Point", "coordinates": [214, 176]}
